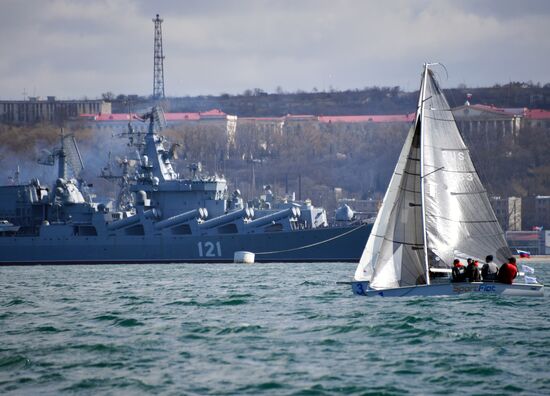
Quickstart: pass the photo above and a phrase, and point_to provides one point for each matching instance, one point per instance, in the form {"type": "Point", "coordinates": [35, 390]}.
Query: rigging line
{"type": "Point", "coordinates": [459, 171]}
{"type": "Point", "coordinates": [486, 236]}
{"type": "Point", "coordinates": [313, 244]}
{"type": "Point", "coordinates": [420, 104]}
{"type": "Point", "coordinates": [419, 245]}
{"type": "Point", "coordinates": [469, 192]}
{"type": "Point", "coordinates": [408, 190]}
{"type": "Point", "coordinates": [448, 149]}
{"type": "Point", "coordinates": [438, 169]}
{"type": "Point", "coordinates": [434, 109]}
{"type": "Point", "coordinates": [431, 96]}
{"type": "Point", "coordinates": [451, 94]}
{"type": "Point", "coordinates": [441, 65]}
{"type": "Point", "coordinates": [462, 221]}
{"type": "Point", "coordinates": [439, 119]}
{"type": "Point", "coordinates": [399, 242]}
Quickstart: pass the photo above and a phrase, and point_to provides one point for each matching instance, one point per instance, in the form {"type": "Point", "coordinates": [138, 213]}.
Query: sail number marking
{"type": "Point", "coordinates": [455, 155]}
{"type": "Point", "coordinates": [209, 249]}
{"type": "Point", "coordinates": [464, 177]}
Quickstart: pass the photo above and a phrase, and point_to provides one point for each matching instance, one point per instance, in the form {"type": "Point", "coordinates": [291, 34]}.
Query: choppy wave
{"type": "Point", "coordinates": [280, 329]}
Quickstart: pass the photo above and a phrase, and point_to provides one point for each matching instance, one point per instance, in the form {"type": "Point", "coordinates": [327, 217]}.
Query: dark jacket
{"type": "Point", "coordinates": [472, 273]}
{"type": "Point", "coordinates": [459, 273]}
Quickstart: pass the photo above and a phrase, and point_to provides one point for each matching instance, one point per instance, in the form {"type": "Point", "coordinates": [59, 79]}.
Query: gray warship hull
{"type": "Point", "coordinates": [330, 244]}
{"type": "Point", "coordinates": [168, 218]}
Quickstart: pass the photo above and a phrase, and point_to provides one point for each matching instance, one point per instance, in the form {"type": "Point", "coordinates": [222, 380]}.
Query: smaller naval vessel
{"type": "Point", "coordinates": [168, 218]}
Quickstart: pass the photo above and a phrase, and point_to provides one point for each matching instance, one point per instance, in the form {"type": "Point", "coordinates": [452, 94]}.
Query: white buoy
{"type": "Point", "coordinates": [243, 257]}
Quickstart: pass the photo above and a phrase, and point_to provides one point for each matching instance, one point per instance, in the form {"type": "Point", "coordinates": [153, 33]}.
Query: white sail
{"type": "Point", "coordinates": [394, 255]}
{"type": "Point", "coordinates": [365, 269]}
{"type": "Point", "coordinates": [434, 194]}
{"type": "Point", "coordinates": [458, 215]}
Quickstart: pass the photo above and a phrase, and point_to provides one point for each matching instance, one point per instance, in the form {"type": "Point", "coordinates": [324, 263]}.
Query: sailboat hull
{"type": "Point", "coordinates": [449, 289]}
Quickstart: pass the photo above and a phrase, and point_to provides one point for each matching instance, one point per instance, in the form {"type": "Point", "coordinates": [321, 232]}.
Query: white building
{"type": "Point", "coordinates": [508, 212]}
{"type": "Point", "coordinates": [493, 121]}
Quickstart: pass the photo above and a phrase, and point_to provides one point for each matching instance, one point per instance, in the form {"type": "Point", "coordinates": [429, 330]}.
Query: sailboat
{"type": "Point", "coordinates": [435, 210]}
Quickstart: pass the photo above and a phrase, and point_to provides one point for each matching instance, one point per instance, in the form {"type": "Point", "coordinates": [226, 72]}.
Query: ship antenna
{"type": "Point", "coordinates": [61, 155]}
{"type": "Point", "coordinates": [158, 61]}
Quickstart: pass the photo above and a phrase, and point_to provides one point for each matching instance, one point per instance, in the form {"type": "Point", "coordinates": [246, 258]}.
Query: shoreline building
{"type": "Point", "coordinates": [508, 212]}
{"type": "Point", "coordinates": [36, 110]}
{"type": "Point", "coordinates": [537, 118]}
{"type": "Point", "coordinates": [492, 121]}
{"type": "Point", "coordinates": [536, 212]}
{"type": "Point", "coordinates": [118, 122]}
{"type": "Point", "coordinates": [530, 241]}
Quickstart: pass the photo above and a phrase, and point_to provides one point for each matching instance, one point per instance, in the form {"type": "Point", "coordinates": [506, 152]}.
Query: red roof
{"type": "Point", "coordinates": [127, 117]}
{"type": "Point", "coordinates": [278, 119]}
{"type": "Point", "coordinates": [109, 117]}
{"type": "Point", "coordinates": [213, 113]}
{"type": "Point", "coordinates": [299, 116]}
{"type": "Point", "coordinates": [492, 109]}
{"type": "Point", "coordinates": [182, 116]}
{"type": "Point", "coordinates": [217, 113]}
{"type": "Point", "coordinates": [522, 235]}
{"type": "Point", "coordinates": [537, 114]}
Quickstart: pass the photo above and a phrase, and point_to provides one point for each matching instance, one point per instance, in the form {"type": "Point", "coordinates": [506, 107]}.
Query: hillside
{"type": "Point", "coordinates": [357, 158]}
{"type": "Point", "coordinates": [374, 100]}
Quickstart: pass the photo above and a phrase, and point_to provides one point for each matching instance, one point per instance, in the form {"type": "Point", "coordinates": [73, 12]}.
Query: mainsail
{"type": "Point", "coordinates": [435, 208]}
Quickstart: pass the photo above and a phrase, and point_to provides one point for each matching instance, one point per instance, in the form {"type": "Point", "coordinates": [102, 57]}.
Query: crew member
{"type": "Point", "coordinates": [472, 271]}
{"type": "Point", "coordinates": [459, 272]}
{"type": "Point", "coordinates": [508, 271]}
{"type": "Point", "coordinates": [489, 271]}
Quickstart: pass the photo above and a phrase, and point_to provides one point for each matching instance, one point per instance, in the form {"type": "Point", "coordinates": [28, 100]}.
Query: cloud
{"type": "Point", "coordinates": [505, 9]}
{"type": "Point", "coordinates": [77, 48]}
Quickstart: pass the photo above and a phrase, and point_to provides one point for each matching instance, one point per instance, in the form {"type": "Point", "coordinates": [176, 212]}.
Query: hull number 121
{"type": "Point", "coordinates": [209, 249]}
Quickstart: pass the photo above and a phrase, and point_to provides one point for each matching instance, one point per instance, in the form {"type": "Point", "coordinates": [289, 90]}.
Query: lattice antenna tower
{"type": "Point", "coordinates": [158, 66]}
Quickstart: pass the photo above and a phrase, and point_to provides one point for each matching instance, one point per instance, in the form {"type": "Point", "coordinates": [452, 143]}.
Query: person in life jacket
{"type": "Point", "coordinates": [459, 271]}
{"type": "Point", "coordinates": [472, 271]}
{"type": "Point", "coordinates": [508, 271]}
{"type": "Point", "coordinates": [489, 271]}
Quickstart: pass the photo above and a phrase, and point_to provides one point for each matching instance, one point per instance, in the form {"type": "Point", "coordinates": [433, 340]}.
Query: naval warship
{"type": "Point", "coordinates": [171, 219]}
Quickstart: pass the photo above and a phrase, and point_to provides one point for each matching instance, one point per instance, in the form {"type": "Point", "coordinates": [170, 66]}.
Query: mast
{"type": "Point", "coordinates": [61, 155]}
{"type": "Point", "coordinates": [422, 187]}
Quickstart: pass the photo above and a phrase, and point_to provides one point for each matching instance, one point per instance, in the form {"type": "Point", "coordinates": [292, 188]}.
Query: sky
{"type": "Point", "coordinates": [76, 49]}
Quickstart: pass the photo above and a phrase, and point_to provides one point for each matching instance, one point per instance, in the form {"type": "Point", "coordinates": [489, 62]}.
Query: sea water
{"type": "Point", "coordinates": [280, 329]}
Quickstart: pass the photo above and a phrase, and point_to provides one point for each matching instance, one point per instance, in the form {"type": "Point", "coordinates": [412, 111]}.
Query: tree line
{"type": "Point", "coordinates": [369, 100]}
{"type": "Point", "coordinates": [307, 157]}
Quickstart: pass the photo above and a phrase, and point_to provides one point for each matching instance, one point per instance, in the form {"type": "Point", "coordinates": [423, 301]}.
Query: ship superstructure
{"type": "Point", "coordinates": [172, 219]}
